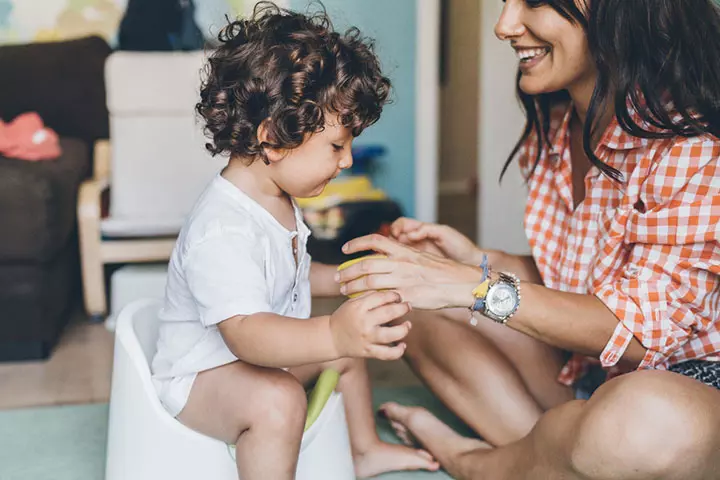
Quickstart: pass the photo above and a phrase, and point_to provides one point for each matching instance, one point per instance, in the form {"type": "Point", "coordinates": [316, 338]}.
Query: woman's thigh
{"type": "Point", "coordinates": [446, 336]}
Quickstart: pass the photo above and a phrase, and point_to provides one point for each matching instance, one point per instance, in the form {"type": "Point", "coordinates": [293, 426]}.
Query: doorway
{"type": "Point", "coordinates": [459, 115]}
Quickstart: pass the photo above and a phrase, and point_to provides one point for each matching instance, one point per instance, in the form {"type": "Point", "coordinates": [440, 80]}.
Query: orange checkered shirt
{"type": "Point", "coordinates": [648, 247]}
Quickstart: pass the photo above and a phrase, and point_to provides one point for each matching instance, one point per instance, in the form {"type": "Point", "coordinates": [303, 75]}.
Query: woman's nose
{"type": "Point", "coordinates": [510, 24]}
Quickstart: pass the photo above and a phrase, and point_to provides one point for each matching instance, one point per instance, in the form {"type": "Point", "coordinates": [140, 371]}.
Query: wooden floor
{"type": "Point", "coordinates": [78, 371]}
{"type": "Point", "coordinates": [80, 368]}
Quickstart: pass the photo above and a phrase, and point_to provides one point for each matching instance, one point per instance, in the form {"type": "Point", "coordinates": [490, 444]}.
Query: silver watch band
{"type": "Point", "coordinates": [507, 279]}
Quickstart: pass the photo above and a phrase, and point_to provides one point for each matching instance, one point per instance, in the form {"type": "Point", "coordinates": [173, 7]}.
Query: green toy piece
{"type": "Point", "coordinates": [326, 383]}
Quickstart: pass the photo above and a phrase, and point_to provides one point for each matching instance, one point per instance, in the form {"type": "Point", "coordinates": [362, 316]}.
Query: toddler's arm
{"type": "Point", "coordinates": [271, 340]}
{"type": "Point", "coordinates": [322, 280]}
{"type": "Point", "coordinates": [357, 329]}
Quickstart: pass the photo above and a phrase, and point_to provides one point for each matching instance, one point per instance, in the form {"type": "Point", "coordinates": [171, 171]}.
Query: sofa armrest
{"type": "Point", "coordinates": [89, 213]}
{"type": "Point", "coordinates": [90, 199]}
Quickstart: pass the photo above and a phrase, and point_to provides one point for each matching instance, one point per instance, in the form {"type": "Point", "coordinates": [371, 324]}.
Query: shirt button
{"type": "Point", "coordinates": [632, 270]}
{"type": "Point", "coordinates": [295, 296]}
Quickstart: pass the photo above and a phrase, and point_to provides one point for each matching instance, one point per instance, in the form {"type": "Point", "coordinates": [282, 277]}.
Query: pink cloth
{"type": "Point", "coordinates": [27, 138]}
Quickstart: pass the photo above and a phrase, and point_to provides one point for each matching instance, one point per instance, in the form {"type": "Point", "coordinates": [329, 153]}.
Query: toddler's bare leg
{"type": "Point", "coordinates": [371, 455]}
{"type": "Point", "coordinates": [260, 410]}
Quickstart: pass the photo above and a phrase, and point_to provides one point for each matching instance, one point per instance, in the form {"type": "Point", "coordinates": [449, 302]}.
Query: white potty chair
{"type": "Point", "coordinates": [146, 443]}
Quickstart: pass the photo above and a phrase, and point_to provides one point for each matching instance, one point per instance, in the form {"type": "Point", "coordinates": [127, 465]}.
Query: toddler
{"type": "Point", "coordinates": [284, 96]}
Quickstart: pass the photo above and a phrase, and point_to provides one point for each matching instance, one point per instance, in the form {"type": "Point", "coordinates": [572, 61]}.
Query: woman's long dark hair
{"type": "Point", "coordinates": [648, 53]}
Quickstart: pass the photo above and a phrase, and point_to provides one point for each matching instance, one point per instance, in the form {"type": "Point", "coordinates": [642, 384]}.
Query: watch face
{"type": "Point", "coordinates": [502, 300]}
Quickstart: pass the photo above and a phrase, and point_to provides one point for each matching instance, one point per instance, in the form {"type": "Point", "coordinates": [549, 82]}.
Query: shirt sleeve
{"type": "Point", "coordinates": [668, 291]}
{"type": "Point", "coordinates": [226, 277]}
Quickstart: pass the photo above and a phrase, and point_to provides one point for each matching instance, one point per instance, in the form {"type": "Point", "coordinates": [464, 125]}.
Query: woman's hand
{"type": "Point", "coordinates": [422, 279]}
{"type": "Point", "coordinates": [437, 239]}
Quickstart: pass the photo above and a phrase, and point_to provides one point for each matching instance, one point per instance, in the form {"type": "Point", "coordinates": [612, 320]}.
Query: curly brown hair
{"type": "Point", "coordinates": [291, 70]}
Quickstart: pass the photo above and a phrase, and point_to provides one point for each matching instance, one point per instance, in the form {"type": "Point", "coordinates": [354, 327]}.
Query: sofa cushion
{"type": "Point", "coordinates": [63, 81]}
{"type": "Point", "coordinates": [36, 299]}
{"type": "Point", "coordinates": [38, 203]}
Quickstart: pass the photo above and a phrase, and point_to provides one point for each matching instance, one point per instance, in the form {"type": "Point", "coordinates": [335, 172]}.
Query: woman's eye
{"type": "Point", "coordinates": [533, 3]}
{"type": "Point", "coordinates": [337, 148]}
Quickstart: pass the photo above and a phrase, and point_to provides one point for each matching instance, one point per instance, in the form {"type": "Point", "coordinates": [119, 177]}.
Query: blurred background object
{"type": "Point", "coordinates": [39, 267]}
{"type": "Point", "coordinates": [435, 154]}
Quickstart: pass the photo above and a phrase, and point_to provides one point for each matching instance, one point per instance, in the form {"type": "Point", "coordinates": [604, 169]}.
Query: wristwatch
{"type": "Point", "coordinates": [502, 298]}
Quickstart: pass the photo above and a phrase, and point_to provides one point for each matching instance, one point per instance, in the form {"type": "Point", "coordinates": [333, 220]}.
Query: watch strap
{"type": "Point", "coordinates": [508, 279]}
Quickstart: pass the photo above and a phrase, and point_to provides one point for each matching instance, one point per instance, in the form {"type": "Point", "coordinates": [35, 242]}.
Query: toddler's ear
{"type": "Point", "coordinates": [271, 153]}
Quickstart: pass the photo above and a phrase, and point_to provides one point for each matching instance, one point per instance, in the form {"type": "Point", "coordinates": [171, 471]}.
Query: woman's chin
{"type": "Point", "coordinates": [535, 86]}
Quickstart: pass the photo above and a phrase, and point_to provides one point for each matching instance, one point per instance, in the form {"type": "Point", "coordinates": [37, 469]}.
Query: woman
{"type": "Point", "coordinates": [622, 291]}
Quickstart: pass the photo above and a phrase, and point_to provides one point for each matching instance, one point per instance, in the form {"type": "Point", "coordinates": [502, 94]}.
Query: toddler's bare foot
{"type": "Point", "coordinates": [384, 457]}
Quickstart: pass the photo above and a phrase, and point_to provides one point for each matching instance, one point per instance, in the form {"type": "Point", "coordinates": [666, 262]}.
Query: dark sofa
{"type": "Point", "coordinates": [39, 267]}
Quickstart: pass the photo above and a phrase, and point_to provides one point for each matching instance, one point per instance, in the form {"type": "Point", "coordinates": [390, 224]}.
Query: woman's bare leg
{"type": "Point", "coordinates": [616, 434]}
{"type": "Point", "coordinates": [537, 363]}
{"type": "Point", "coordinates": [498, 381]}
{"type": "Point", "coordinates": [260, 410]}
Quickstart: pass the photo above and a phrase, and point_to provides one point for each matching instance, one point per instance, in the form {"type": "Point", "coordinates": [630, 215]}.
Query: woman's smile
{"type": "Point", "coordinates": [531, 56]}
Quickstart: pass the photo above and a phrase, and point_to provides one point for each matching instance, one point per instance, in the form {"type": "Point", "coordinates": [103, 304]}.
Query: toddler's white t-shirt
{"type": "Point", "coordinates": [231, 258]}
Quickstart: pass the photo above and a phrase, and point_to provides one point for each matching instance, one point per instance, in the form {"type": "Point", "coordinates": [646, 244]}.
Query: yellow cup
{"type": "Point", "coordinates": [352, 262]}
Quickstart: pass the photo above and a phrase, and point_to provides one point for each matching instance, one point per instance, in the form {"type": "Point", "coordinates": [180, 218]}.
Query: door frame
{"type": "Point", "coordinates": [427, 109]}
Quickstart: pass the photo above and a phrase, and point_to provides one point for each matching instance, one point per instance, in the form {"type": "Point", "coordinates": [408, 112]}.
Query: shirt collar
{"type": "Point", "coordinates": [559, 142]}
{"type": "Point", "coordinates": [614, 142]}
{"type": "Point", "coordinates": [614, 137]}
{"type": "Point", "coordinates": [243, 199]}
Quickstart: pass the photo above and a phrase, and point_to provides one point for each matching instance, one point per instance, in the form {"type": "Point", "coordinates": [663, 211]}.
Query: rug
{"type": "Point", "coordinates": [68, 442]}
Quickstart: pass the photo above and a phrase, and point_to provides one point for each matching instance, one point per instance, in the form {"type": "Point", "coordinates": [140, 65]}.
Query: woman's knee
{"type": "Point", "coordinates": [648, 423]}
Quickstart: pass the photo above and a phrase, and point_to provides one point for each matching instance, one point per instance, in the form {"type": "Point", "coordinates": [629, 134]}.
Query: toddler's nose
{"type": "Point", "coordinates": [347, 161]}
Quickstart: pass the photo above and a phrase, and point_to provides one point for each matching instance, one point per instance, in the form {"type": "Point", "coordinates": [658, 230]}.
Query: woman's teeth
{"type": "Point", "coordinates": [528, 54]}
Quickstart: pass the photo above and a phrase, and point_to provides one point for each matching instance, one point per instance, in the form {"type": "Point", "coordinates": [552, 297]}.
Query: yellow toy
{"type": "Point", "coordinates": [349, 263]}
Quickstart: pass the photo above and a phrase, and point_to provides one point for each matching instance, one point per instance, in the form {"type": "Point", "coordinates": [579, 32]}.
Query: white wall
{"type": "Point", "coordinates": [501, 207]}
{"type": "Point", "coordinates": [406, 35]}
{"type": "Point", "coordinates": [427, 108]}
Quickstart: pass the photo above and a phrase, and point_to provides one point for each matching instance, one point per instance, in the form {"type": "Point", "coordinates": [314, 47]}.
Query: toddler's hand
{"type": "Point", "coordinates": [358, 326]}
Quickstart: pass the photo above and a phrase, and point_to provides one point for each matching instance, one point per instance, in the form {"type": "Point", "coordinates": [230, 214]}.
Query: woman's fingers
{"type": "Point", "coordinates": [380, 281]}
{"type": "Point", "coordinates": [377, 243]}
{"type": "Point", "coordinates": [424, 232]}
{"type": "Point", "coordinates": [403, 238]}
{"type": "Point", "coordinates": [404, 225]}
{"type": "Point", "coordinates": [365, 267]}
{"type": "Point", "coordinates": [374, 300]}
